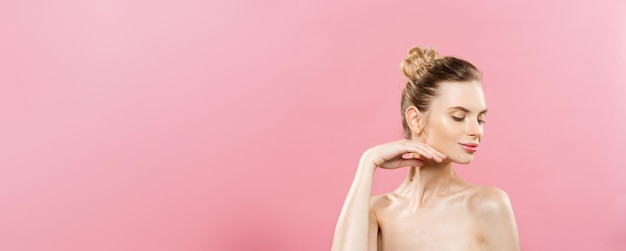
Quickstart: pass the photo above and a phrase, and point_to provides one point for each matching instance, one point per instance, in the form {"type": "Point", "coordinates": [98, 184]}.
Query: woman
{"type": "Point", "coordinates": [443, 112]}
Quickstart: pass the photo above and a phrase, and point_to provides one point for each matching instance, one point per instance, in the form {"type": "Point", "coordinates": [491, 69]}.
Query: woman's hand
{"type": "Point", "coordinates": [353, 226]}
{"type": "Point", "coordinates": [401, 153]}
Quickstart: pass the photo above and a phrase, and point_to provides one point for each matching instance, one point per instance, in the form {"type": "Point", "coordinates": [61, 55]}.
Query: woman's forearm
{"type": "Point", "coordinates": [351, 232]}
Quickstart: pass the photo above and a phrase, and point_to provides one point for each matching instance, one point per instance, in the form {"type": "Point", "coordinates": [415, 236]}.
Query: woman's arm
{"type": "Point", "coordinates": [353, 226]}
{"type": "Point", "coordinates": [375, 238]}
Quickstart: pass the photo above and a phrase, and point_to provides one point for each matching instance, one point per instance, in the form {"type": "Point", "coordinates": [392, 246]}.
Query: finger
{"type": "Point", "coordinates": [403, 163]}
{"type": "Point", "coordinates": [429, 152]}
{"type": "Point", "coordinates": [411, 156]}
{"type": "Point", "coordinates": [424, 151]}
{"type": "Point", "coordinates": [442, 155]}
{"type": "Point", "coordinates": [411, 162]}
{"type": "Point", "coordinates": [412, 149]}
{"type": "Point", "coordinates": [438, 155]}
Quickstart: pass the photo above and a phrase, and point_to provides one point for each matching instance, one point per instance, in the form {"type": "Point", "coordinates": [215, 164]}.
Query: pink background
{"type": "Point", "coordinates": [182, 125]}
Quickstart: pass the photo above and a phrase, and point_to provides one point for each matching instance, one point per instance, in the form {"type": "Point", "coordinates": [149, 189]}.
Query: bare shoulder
{"type": "Point", "coordinates": [489, 201]}
{"type": "Point", "coordinates": [380, 201]}
{"type": "Point", "coordinates": [494, 218]}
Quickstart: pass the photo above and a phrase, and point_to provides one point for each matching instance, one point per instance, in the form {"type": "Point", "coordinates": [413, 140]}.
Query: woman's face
{"type": "Point", "coordinates": [454, 123]}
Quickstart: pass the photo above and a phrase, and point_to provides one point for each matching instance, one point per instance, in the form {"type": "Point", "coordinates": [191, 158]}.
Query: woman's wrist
{"type": "Point", "coordinates": [366, 164]}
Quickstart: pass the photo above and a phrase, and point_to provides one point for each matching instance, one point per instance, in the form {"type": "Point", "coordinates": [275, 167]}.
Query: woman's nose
{"type": "Point", "coordinates": [473, 129]}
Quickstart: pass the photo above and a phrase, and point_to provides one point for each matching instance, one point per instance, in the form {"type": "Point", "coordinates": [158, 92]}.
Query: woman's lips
{"type": "Point", "coordinates": [470, 147]}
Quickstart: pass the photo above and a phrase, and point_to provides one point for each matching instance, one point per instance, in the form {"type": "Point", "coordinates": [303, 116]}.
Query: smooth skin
{"type": "Point", "coordinates": [433, 208]}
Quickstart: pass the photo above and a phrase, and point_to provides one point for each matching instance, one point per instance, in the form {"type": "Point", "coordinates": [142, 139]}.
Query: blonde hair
{"type": "Point", "coordinates": [425, 69]}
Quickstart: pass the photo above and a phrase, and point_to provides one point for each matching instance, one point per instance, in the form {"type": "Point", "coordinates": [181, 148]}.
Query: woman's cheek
{"type": "Point", "coordinates": [441, 140]}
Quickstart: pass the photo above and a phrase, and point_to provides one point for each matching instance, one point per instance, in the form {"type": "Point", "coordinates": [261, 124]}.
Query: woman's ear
{"type": "Point", "coordinates": [413, 117]}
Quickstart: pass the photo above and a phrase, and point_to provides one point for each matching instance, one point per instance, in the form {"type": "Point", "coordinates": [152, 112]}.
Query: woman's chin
{"type": "Point", "coordinates": [464, 160]}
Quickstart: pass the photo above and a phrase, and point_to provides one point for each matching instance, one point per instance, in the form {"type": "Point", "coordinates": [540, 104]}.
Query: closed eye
{"type": "Point", "coordinates": [480, 121]}
{"type": "Point", "coordinates": [457, 118]}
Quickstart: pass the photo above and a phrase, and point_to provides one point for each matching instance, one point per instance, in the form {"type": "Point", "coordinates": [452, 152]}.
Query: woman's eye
{"type": "Point", "coordinates": [457, 118]}
{"type": "Point", "coordinates": [481, 121]}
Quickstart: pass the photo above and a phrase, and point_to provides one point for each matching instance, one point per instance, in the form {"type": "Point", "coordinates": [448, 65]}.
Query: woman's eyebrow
{"type": "Point", "coordinates": [467, 110]}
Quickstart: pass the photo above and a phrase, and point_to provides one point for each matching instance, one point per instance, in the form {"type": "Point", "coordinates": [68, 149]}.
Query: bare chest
{"type": "Point", "coordinates": [442, 226]}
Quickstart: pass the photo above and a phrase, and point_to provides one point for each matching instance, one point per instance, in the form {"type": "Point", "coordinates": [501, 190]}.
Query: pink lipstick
{"type": "Point", "coordinates": [470, 147]}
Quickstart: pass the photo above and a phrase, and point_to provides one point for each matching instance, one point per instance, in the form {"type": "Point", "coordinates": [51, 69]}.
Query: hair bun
{"type": "Point", "coordinates": [417, 58]}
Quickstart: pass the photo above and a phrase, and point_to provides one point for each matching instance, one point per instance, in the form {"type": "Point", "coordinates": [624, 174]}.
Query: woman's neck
{"type": "Point", "coordinates": [424, 183]}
